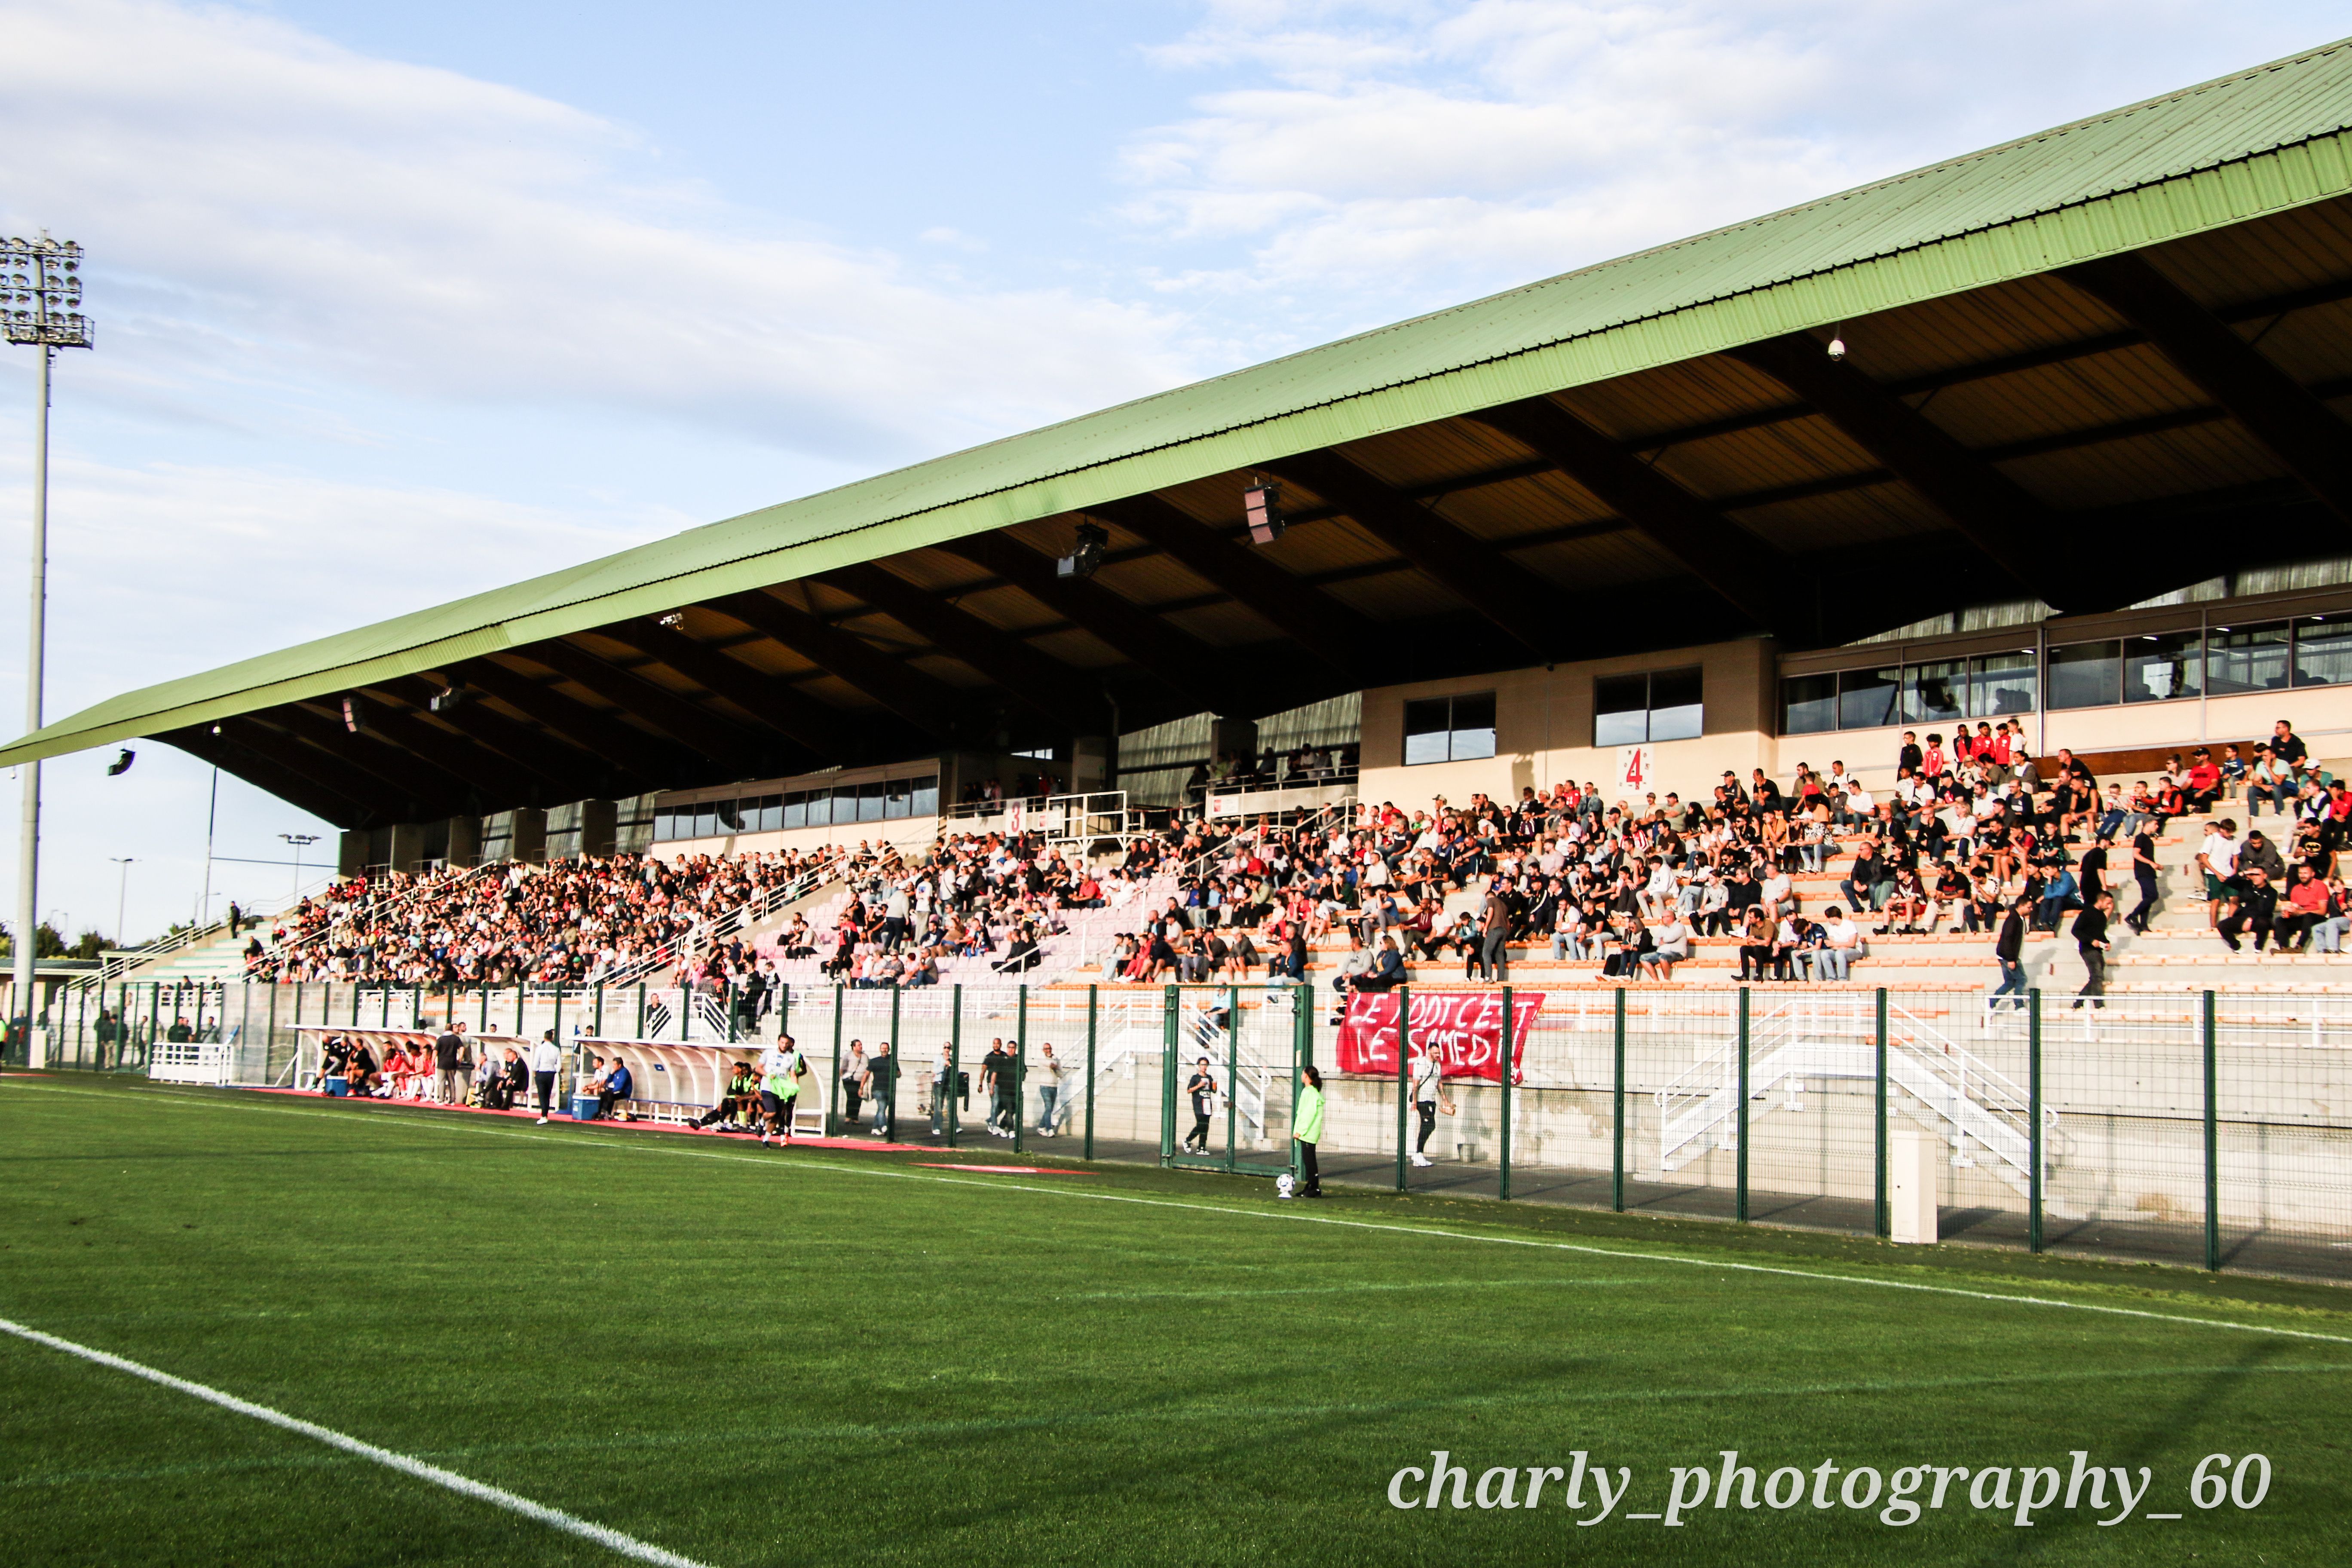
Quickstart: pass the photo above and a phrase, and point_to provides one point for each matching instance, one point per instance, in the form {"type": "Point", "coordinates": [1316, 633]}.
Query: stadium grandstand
{"type": "Point", "coordinates": [2046, 435]}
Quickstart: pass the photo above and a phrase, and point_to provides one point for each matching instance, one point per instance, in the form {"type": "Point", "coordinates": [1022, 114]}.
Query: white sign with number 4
{"type": "Point", "coordinates": [1636, 765]}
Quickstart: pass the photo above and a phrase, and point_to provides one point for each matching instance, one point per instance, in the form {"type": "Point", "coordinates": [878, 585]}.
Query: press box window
{"type": "Point", "coordinates": [1449, 729]}
{"type": "Point", "coordinates": [1629, 709]}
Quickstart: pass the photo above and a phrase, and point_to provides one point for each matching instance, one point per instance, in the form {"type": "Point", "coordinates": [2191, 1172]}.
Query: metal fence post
{"type": "Point", "coordinates": [1020, 1063]}
{"type": "Point", "coordinates": [267, 1050]}
{"type": "Point", "coordinates": [836, 1051]}
{"type": "Point", "coordinates": [1503, 1171]}
{"type": "Point", "coordinates": [1232, 1071]}
{"type": "Point", "coordinates": [1404, 1086]}
{"type": "Point", "coordinates": [1617, 1128]}
{"type": "Point", "coordinates": [1167, 1074]}
{"type": "Point", "coordinates": [597, 1023]}
{"type": "Point", "coordinates": [2033, 1119]}
{"type": "Point", "coordinates": [955, 1066]}
{"type": "Point", "coordinates": [1746, 993]}
{"type": "Point", "coordinates": [1093, 1019]}
{"type": "Point", "coordinates": [641, 1010]}
{"type": "Point", "coordinates": [557, 1023]}
{"type": "Point", "coordinates": [1881, 1219]}
{"type": "Point", "coordinates": [2213, 1143]}
{"type": "Point", "coordinates": [1302, 1056]}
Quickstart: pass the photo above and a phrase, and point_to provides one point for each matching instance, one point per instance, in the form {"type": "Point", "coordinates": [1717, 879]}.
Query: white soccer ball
{"type": "Point", "coordinates": [1284, 1184]}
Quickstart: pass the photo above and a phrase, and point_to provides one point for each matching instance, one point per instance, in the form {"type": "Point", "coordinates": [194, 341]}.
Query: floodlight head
{"type": "Point", "coordinates": [42, 307]}
{"type": "Point", "coordinates": [1086, 555]}
{"type": "Point", "coordinates": [354, 715]}
{"type": "Point", "coordinates": [1837, 348]}
{"type": "Point", "coordinates": [1261, 505]}
{"type": "Point", "coordinates": [121, 765]}
{"type": "Point", "coordinates": [446, 699]}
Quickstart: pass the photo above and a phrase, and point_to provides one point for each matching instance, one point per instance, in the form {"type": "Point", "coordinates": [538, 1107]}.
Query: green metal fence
{"type": "Point", "coordinates": [2208, 1129]}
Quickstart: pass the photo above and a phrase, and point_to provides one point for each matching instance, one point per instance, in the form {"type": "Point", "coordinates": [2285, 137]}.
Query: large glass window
{"type": "Point", "coordinates": [666, 823]}
{"type": "Point", "coordinates": [2323, 651]}
{"type": "Point", "coordinates": [1867, 698]}
{"type": "Point", "coordinates": [2246, 658]}
{"type": "Point", "coordinates": [2001, 684]}
{"type": "Point", "coordinates": [706, 820]}
{"type": "Point", "coordinates": [1665, 705]}
{"type": "Point", "coordinates": [2160, 667]}
{"type": "Point", "coordinates": [1676, 711]}
{"type": "Point", "coordinates": [1808, 704]}
{"type": "Point", "coordinates": [898, 797]}
{"type": "Point", "coordinates": [927, 796]}
{"type": "Point", "coordinates": [2086, 675]}
{"type": "Point", "coordinates": [1935, 693]}
{"type": "Point", "coordinates": [1621, 709]}
{"type": "Point", "coordinates": [1449, 729]}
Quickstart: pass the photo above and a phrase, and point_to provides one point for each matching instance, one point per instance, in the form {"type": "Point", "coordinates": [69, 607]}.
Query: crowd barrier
{"type": "Point", "coordinates": [2211, 1128]}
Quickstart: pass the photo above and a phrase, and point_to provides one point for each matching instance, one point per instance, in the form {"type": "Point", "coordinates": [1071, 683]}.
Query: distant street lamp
{"type": "Point", "coordinates": [301, 842]}
{"type": "Point", "coordinates": [40, 307]}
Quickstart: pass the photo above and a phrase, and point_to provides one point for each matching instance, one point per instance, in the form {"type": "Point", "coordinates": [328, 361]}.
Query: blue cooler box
{"type": "Point", "coordinates": [338, 1085]}
{"type": "Point", "coordinates": [583, 1108]}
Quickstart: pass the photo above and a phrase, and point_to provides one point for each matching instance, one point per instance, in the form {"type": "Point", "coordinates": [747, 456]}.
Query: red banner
{"type": "Point", "coordinates": [1464, 1027]}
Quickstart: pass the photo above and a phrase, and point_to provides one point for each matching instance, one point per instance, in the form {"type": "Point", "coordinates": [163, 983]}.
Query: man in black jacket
{"type": "Point", "coordinates": [2091, 941]}
{"type": "Point", "coordinates": [2008, 951]}
{"type": "Point", "coordinates": [2252, 902]}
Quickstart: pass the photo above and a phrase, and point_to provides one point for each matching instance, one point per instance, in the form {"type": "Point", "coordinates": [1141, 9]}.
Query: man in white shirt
{"type": "Point", "coordinates": [2217, 857]}
{"type": "Point", "coordinates": [1830, 963]}
{"type": "Point", "coordinates": [546, 1060]}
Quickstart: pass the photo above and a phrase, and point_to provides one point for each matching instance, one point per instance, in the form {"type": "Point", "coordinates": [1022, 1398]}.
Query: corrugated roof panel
{"type": "Point", "coordinates": [2115, 473]}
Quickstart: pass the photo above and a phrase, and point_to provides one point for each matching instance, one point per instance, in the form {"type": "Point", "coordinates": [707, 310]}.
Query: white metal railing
{"type": "Point", "coordinates": [426, 888]}
{"type": "Point", "coordinates": [1079, 817]}
{"type": "Point", "coordinates": [1966, 1098]}
{"type": "Point", "coordinates": [114, 965]}
{"type": "Point", "coordinates": [708, 934]}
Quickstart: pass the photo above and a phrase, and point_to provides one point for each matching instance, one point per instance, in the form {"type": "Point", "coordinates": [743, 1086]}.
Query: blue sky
{"type": "Point", "coordinates": [398, 303]}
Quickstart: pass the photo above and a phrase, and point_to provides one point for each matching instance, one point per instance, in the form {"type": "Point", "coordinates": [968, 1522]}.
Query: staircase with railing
{"type": "Point", "coordinates": [742, 918]}
{"type": "Point", "coordinates": [1972, 1104]}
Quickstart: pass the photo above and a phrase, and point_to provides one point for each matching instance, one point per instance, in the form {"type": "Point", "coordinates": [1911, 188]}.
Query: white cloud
{"type": "Point", "coordinates": [1402, 154]}
{"type": "Point", "coordinates": [256, 197]}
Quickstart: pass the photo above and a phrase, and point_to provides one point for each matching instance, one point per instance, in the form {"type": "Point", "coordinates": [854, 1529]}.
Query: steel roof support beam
{"type": "Point", "coordinates": [1300, 611]}
{"type": "Point", "coordinates": [1998, 514]}
{"type": "Point", "coordinates": [371, 752]}
{"type": "Point", "coordinates": [598, 733]}
{"type": "Point", "coordinates": [479, 769]}
{"type": "Point", "coordinates": [260, 772]}
{"type": "Point", "coordinates": [1182, 662]}
{"type": "Point", "coordinates": [1482, 577]}
{"type": "Point", "coordinates": [2300, 430]}
{"type": "Point", "coordinates": [1750, 574]}
{"type": "Point", "coordinates": [544, 753]}
{"type": "Point", "coordinates": [931, 706]}
{"type": "Point", "coordinates": [1038, 681]}
{"type": "Point", "coordinates": [678, 717]}
{"type": "Point", "coordinates": [328, 772]}
{"type": "Point", "coordinates": [815, 725]}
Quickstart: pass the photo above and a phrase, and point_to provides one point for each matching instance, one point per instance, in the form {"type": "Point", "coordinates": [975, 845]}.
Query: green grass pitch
{"type": "Point", "coordinates": [827, 1356]}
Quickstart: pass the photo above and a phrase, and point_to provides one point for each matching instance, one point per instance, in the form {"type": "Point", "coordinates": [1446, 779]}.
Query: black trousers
{"type": "Point", "coordinates": [545, 1084]}
{"type": "Point", "coordinates": [1199, 1137]}
{"type": "Point", "coordinates": [2096, 961]}
{"type": "Point", "coordinates": [2147, 880]}
{"type": "Point", "coordinates": [1309, 1169]}
{"type": "Point", "coordinates": [1428, 1109]}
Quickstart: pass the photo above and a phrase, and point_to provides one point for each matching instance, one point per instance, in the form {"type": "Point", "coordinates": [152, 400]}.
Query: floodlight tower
{"type": "Point", "coordinates": [40, 306]}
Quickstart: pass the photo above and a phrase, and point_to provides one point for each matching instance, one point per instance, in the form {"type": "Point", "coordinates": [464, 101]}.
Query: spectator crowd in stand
{"type": "Point", "coordinates": [1971, 837]}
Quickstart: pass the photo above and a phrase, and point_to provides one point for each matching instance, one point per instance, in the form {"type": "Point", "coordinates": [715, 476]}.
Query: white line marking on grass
{"type": "Point", "coordinates": [612, 1540]}
{"type": "Point", "coordinates": [1292, 1213]}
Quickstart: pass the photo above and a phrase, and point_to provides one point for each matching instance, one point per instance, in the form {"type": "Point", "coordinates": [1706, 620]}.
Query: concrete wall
{"type": "Point", "coordinates": [1543, 728]}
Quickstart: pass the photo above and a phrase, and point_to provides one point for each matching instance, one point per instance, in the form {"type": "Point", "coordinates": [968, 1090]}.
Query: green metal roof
{"type": "Point", "coordinates": [2228, 151]}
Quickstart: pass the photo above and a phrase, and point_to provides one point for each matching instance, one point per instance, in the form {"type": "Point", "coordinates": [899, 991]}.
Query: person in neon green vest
{"type": "Point", "coordinates": [782, 1068]}
{"type": "Point", "coordinates": [1306, 1129]}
